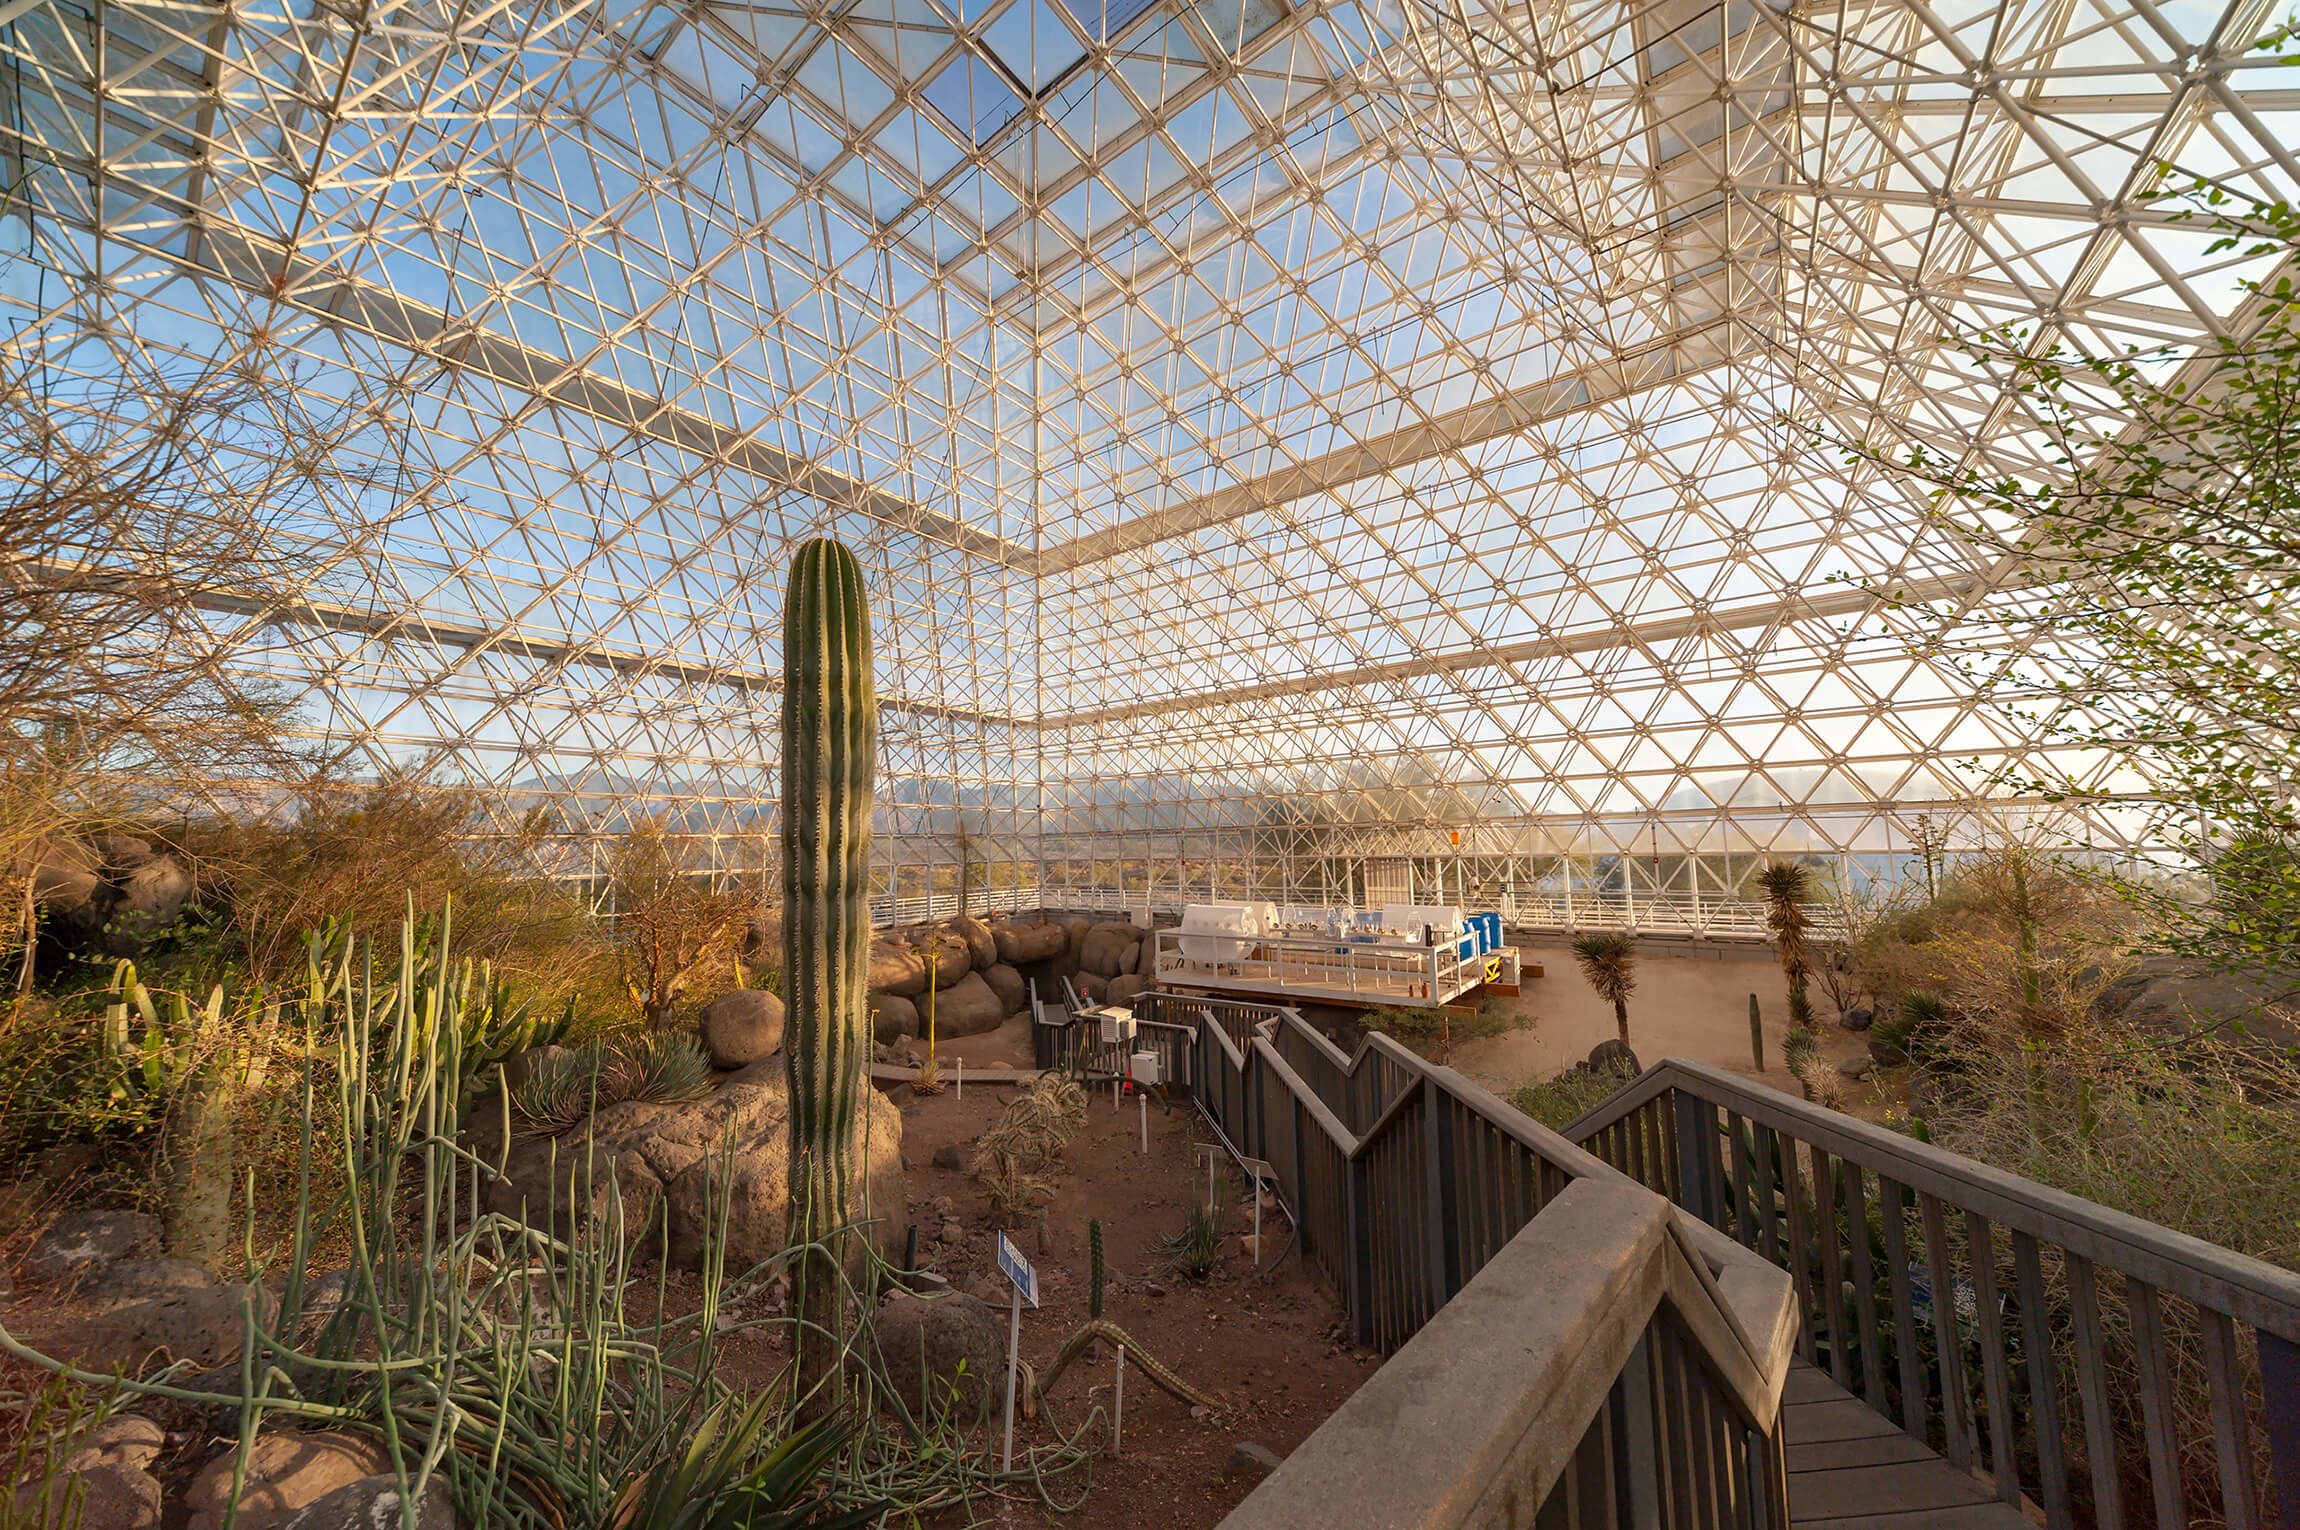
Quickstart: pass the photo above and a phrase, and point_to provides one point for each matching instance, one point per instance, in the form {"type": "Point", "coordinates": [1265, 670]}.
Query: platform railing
{"type": "Point", "coordinates": [2103, 1370]}
{"type": "Point", "coordinates": [1560, 1338]}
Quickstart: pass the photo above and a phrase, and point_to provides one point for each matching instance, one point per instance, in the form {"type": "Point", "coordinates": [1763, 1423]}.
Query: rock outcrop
{"type": "Point", "coordinates": [968, 1008]}
{"type": "Point", "coordinates": [670, 1160]}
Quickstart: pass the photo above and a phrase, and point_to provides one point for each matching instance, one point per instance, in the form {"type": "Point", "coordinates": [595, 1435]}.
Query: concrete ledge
{"type": "Point", "coordinates": [1472, 1422]}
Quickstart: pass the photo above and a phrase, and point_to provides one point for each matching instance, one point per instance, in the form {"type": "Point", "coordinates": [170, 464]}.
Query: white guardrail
{"type": "Point", "coordinates": [1639, 913]}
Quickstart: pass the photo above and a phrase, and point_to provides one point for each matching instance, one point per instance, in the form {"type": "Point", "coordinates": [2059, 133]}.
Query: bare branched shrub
{"type": "Point", "coordinates": [143, 515]}
{"type": "Point", "coordinates": [668, 923]}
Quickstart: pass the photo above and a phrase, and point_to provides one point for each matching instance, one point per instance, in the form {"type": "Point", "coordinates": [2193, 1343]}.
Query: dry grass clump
{"type": "Point", "coordinates": [1015, 1159]}
{"type": "Point", "coordinates": [2015, 945]}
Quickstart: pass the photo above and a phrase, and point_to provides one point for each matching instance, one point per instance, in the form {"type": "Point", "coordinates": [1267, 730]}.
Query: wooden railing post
{"type": "Point", "coordinates": [1637, 1460]}
{"type": "Point", "coordinates": [1699, 1173]}
{"type": "Point", "coordinates": [1360, 1249]}
{"type": "Point", "coordinates": [2280, 1387]}
{"type": "Point", "coordinates": [1439, 1192]}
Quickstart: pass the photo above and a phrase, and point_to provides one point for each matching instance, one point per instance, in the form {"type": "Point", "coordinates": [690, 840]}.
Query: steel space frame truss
{"type": "Point", "coordinates": [1284, 436]}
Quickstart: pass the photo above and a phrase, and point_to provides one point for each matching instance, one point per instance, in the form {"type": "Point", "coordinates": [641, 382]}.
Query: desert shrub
{"type": "Point", "coordinates": [1579, 1089]}
{"type": "Point", "coordinates": [361, 856]}
{"type": "Point", "coordinates": [2014, 943]}
{"type": "Point", "coordinates": [1437, 1029]}
{"type": "Point", "coordinates": [672, 933]}
{"type": "Point", "coordinates": [2196, 1136]}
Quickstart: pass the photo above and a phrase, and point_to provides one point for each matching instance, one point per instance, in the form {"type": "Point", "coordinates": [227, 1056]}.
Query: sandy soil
{"type": "Point", "coordinates": [1692, 1001]}
{"type": "Point", "coordinates": [1269, 1350]}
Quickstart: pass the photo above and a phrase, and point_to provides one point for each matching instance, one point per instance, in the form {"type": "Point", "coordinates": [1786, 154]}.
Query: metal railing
{"type": "Point", "coordinates": [2109, 1371]}
{"type": "Point", "coordinates": [1643, 913]}
{"type": "Point", "coordinates": [1406, 1183]}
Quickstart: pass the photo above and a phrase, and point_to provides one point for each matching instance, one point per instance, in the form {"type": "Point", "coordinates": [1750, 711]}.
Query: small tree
{"type": "Point", "coordinates": [1786, 886]}
{"type": "Point", "coordinates": [1608, 960]}
{"type": "Point", "coordinates": [667, 923]}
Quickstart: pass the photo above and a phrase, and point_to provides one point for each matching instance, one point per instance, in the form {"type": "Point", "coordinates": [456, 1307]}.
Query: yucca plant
{"type": "Point", "coordinates": [830, 748]}
{"type": "Point", "coordinates": [1608, 962]}
{"type": "Point", "coordinates": [1787, 886]}
{"type": "Point", "coordinates": [659, 1068]}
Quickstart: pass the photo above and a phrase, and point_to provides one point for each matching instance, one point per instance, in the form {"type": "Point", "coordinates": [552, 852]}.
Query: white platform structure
{"type": "Point", "coordinates": [1407, 956]}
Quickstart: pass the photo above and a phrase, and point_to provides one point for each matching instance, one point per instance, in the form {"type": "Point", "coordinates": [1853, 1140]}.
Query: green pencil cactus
{"type": "Point", "coordinates": [1096, 1274]}
{"type": "Point", "coordinates": [830, 747]}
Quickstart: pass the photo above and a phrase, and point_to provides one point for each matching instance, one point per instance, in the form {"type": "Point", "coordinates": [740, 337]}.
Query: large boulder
{"type": "Point", "coordinates": [1614, 1057]}
{"type": "Point", "coordinates": [1130, 958]}
{"type": "Point", "coordinates": [79, 1241]}
{"type": "Point", "coordinates": [896, 967]}
{"type": "Point", "coordinates": [287, 1472]}
{"type": "Point", "coordinates": [2170, 997]}
{"type": "Point", "coordinates": [112, 893]}
{"type": "Point", "coordinates": [741, 1027]}
{"type": "Point", "coordinates": [113, 1495]}
{"type": "Point", "coordinates": [1124, 987]}
{"type": "Point", "coordinates": [668, 1159]}
{"type": "Point", "coordinates": [968, 1008]}
{"type": "Point", "coordinates": [981, 945]}
{"type": "Point", "coordinates": [1008, 985]}
{"type": "Point", "coordinates": [948, 956]}
{"type": "Point", "coordinates": [1036, 941]}
{"type": "Point", "coordinates": [892, 1017]}
{"type": "Point", "coordinates": [942, 1353]}
{"type": "Point", "coordinates": [1105, 946]}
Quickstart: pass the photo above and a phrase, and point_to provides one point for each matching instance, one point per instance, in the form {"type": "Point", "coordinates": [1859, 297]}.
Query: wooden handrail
{"type": "Point", "coordinates": [1882, 1235]}
{"type": "Point", "coordinates": [1543, 1362]}
{"type": "Point", "coordinates": [2250, 1289]}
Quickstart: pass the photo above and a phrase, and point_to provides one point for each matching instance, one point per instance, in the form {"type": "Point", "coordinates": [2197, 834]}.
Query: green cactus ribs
{"type": "Point", "coordinates": [830, 747]}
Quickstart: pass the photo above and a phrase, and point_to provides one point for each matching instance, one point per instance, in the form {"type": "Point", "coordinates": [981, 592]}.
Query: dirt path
{"type": "Point", "coordinates": [1269, 1350]}
{"type": "Point", "coordinates": [1692, 1001]}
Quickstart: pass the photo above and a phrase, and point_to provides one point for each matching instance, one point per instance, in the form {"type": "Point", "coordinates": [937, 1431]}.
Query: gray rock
{"type": "Point", "coordinates": [1124, 987]}
{"type": "Point", "coordinates": [375, 1503]}
{"type": "Point", "coordinates": [519, 1067]}
{"type": "Point", "coordinates": [1860, 1018]}
{"type": "Point", "coordinates": [967, 1008]}
{"type": "Point", "coordinates": [942, 1353]}
{"type": "Point", "coordinates": [893, 1017]}
{"type": "Point", "coordinates": [1614, 1057]}
{"type": "Point", "coordinates": [1249, 1462]}
{"type": "Point", "coordinates": [950, 1155]}
{"type": "Point", "coordinates": [1857, 1068]}
{"type": "Point", "coordinates": [741, 1027]}
{"type": "Point", "coordinates": [667, 1159]}
{"type": "Point", "coordinates": [1008, 985]}
{"type": "Point", "coordinates": [1105, 946]}
{"type": "Point", "coordinates": [288, 1471]}
{"type": "Point", "coordinates": [78, 1241]}
{"type": "Point", "coordinates": [1130, 958]}
{"type": "Point", "coordinates": [200, 1324]}
{"type": "Point", "coordinates": [129, 1280]}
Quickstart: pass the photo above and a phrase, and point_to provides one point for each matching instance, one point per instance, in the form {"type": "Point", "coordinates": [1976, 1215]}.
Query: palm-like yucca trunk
{"type": "Point", "coordinates": [830, 747]}
{"type": "Point", "coordinates": [1786, 886]}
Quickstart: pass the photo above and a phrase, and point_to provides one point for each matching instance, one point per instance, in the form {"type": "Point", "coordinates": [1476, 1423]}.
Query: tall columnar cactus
{"type": "Point", "coordinates": [830, 746]}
